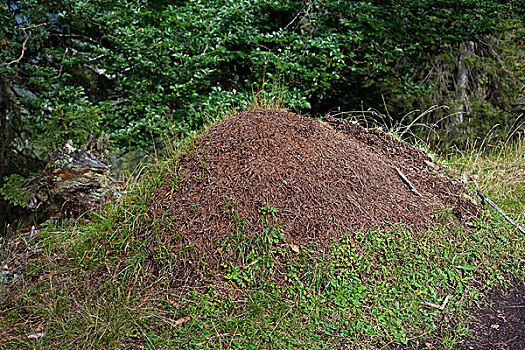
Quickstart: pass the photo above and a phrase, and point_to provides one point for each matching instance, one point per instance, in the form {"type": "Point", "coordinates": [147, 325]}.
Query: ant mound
{"type": "Point", "coordinates": [319, 178]}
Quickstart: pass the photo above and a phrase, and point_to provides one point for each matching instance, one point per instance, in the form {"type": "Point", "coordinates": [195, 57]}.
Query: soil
{"type": "Point", "coordinates": [324, 177]}
{"type": "Point", "coordinates": [496, 324]}
{"type": "Point", "coordinates": [501, 325]}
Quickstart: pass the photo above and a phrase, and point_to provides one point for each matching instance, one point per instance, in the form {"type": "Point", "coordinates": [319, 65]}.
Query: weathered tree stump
{"type": "Point", "coordinates": [74, 182]}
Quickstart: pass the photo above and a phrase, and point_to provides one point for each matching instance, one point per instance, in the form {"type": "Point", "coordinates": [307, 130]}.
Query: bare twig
{"type": "Point", "coordinates": [407, 181]}
{"type": "Point", "coordinates": [309, 4]}
{"type": "Point", "coordinates": [62, 60]}
{"type": "Point", "coordinates": [439, 307]}
{"type": "Point", "coordinates": [84, 37]}
{"type": "Point", "coordinates": [495, 206]}
{"type": "Point", "coordinates": [24, 48]}
{"type": "Point", "coordinates": [293, 20]}
{"type": "Point", "coordinates": [429, 164]}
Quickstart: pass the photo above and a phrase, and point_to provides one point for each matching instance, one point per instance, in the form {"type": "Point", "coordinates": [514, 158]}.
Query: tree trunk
{"type": "Point", "coordinates": [462, 84]}
{"type": "Point", "coordinates": [9, 119]}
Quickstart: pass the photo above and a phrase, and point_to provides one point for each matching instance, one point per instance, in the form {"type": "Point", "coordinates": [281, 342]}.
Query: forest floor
{"type": "Point", "coordinates": [275, 231]}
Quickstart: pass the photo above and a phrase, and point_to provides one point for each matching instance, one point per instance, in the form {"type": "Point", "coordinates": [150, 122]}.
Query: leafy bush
{"type": "Point", "coordinates": [153, 67]}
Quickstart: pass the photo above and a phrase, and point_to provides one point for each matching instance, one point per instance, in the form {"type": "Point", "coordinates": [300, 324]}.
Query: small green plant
{"type": "Point", "coordinates": [15, 190]}
{"type": "Point", "coordinates": [272, 233]}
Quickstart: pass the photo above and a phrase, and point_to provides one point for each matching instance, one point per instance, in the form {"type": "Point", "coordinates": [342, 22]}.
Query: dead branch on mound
{"type": "Point", "coordinates": [495, 206]}
{"type": "Point", "coordinates": [407, 181]}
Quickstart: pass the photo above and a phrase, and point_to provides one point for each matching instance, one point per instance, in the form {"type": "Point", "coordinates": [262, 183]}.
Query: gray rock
{"type": "Point", "coordinates": [7, 277]}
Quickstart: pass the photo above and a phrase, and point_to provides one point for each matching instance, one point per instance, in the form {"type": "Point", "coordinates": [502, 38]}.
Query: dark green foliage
{"type": "Point", "coordinates": [154, 66]}
{"type": "Point", "coordinates": [15, 191]}
{"type": "Point", "coordinates": [490, 100]}
{"type": "Point", "coordinates": [74, 118]}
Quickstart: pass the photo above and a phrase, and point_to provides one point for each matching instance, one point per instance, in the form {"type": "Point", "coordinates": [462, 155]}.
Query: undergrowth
{"type": "Point", "coordinates": [99, 285]}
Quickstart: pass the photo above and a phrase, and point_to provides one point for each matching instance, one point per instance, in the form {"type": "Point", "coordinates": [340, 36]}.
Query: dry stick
{"type": "Point", "coordinates": [24, 48]}
{"type": "Point", "coordinates": [407, 181]}
{"type": "Point", "coordinates": [495, 206]}
{"type": "Point", "coordinates": [439, 307]}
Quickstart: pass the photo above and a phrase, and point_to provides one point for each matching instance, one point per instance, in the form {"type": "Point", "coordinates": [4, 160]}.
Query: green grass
{"type": "Point", "coordinates": [98, 285]}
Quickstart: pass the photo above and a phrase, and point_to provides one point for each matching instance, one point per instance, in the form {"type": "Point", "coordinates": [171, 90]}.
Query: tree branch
{"type": "Point", "coordinates": [495, 206]}
{"type": "Point", "coordinates": [24, 48]}
{"type": "Point", "coordinates": [407, 181]}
